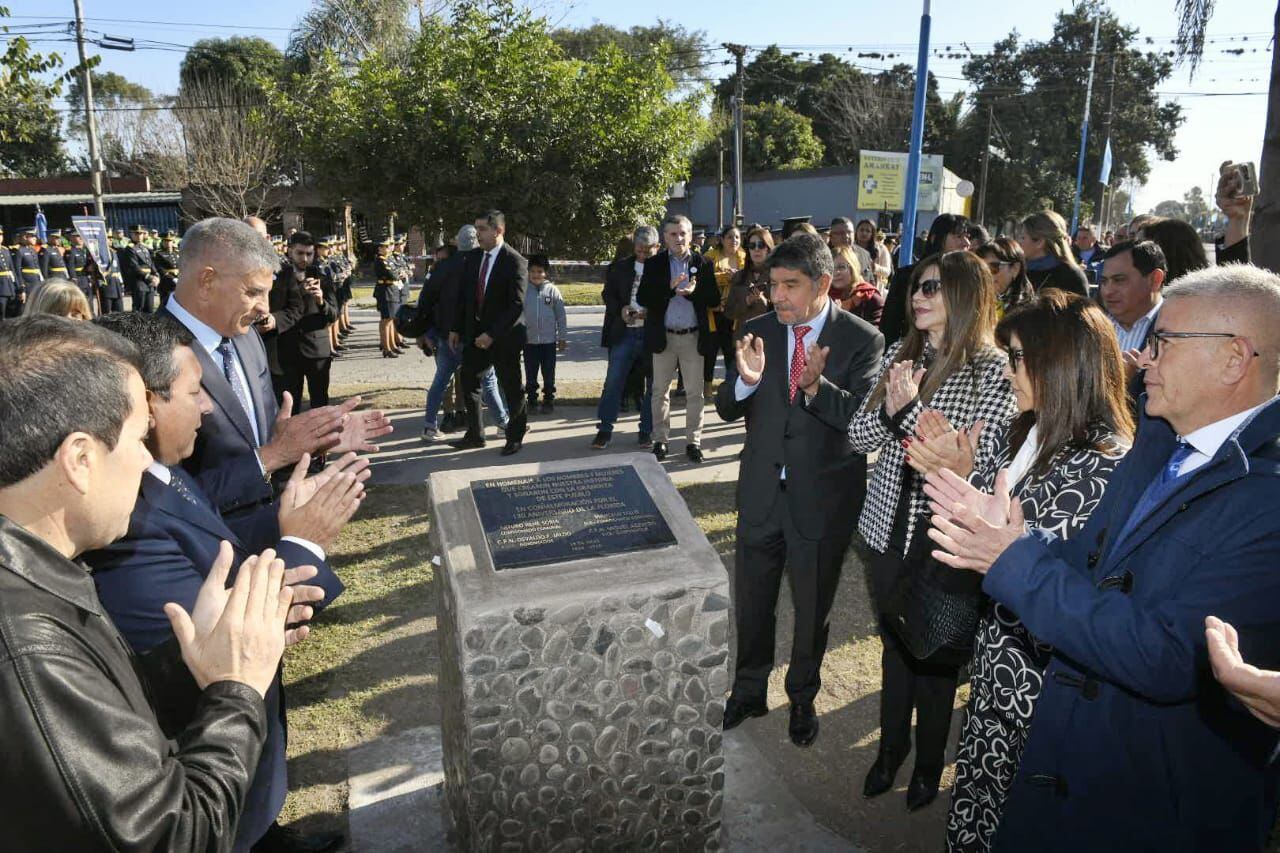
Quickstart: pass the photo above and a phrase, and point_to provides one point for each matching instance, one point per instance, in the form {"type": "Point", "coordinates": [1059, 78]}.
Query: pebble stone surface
{"type": "Point", "coordinates": [582, 712]}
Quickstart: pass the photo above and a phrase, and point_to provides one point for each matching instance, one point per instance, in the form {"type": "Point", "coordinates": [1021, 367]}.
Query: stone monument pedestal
{"type": "Point", "coordinates": [583, 661]}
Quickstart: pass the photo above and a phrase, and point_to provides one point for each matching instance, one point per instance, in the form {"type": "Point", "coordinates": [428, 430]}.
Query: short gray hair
{"type": "Point", "coordinates": [645, 235]}
{"type": "Point", "coordinates": [227, 243]}
{"type": "Point", "coordinates": [1257, 288]}
{"type": "Point", "coordinates": [467, 238]}
{"type": "Point", "coordinates": [677, 219]}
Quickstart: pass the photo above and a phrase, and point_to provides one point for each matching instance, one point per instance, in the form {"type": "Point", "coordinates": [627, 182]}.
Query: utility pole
{"type": "Point", "coordinates": [720, 187]}
{"type": "Point", "coordinates": [86, 85]}
{"type": "Point", "coordinates": [739, 52]}
{"type": "Point", "coordinates": [1084, 126]}
{"type": "Point", "coordinates": [1106, 131]}
{"type": "Point", "coordinates": [986, 161]}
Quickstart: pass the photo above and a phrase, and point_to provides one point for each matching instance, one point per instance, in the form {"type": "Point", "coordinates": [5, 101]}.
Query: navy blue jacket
{"type": "Point", "coordinates": [1134, 746]}
{"type": "Point", "coordinates": [225, 459]}
{"type": "Point", "coordinates": [166, 556]}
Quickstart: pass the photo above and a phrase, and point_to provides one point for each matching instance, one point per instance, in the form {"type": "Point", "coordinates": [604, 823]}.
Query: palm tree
{"type": "Point", "coordinates": [352, 29]}
{"type": "Point", "coordinates": [1264, 241]}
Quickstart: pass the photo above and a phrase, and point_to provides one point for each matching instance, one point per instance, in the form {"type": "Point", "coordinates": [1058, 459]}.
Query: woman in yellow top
{"type": "Point", "coordinates": [727, 258]}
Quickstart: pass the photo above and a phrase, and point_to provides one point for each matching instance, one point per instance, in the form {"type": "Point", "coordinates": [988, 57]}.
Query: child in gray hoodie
{"type": "Point", "coordinates": [547, 333]}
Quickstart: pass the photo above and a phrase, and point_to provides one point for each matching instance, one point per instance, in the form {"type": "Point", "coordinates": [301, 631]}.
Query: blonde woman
{"type": "Point", "coordinates": [1050, 263]}
{"type": "Point", "coordinates": [61, 298]}
{"type": "Point", "coordinates": [728, 258]}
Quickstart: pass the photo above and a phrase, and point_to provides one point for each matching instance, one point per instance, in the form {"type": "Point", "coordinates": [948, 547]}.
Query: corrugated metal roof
{"type": "Point", "coordinates": [87, 198]}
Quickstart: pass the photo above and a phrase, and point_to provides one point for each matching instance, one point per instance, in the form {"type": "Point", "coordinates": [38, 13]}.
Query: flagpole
{"type": "Point", "coordinates": [906, 252]}
{"type": "Point", "coordinates": [1084, 126]}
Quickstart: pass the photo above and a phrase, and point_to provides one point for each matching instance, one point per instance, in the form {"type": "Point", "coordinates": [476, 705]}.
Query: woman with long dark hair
{"type": "Point", "coordinates": [1072, 429]}
{"type": "Point", "coordinates": [949, 232]}
{"type": "Point", "coordinates": [1183, 249]}
{"type": "Point", "coordinates": [1050, 261]}
{"type": "Point", "coordinates": [946, 366]}
{"type": "Point", "coordinates": [864, 236]}
{"type": "Point", "coordinates": [749, 293]}
{"type": "Point", "coordinates": [1008, 266]}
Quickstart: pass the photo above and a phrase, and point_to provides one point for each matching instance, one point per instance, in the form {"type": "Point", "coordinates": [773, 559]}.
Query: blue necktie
{"type": "Point", "coordinates": [233, 379]}
{"type": "Point", "coordinates": [1160, 488]}
{"type": "Point", "coordinates": [178, 479]}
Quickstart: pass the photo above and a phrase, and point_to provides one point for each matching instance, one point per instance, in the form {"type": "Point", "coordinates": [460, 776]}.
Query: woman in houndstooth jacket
{"type": "Point", "coordinates": [1072, 430]}
{"type": "Point", "coordinates": [946, 364]}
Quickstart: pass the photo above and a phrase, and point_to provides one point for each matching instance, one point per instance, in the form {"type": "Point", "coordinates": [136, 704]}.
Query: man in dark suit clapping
{"type": "Point", "coordinates": [490, 329]}
{"type": "Point", "coordinates": [801, 372]}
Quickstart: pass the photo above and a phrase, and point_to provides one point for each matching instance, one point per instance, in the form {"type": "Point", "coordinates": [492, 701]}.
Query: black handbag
{"type": "Point", "coordinates": [412, 323]}
{"type": "Point", "coordinates": [932, 608]}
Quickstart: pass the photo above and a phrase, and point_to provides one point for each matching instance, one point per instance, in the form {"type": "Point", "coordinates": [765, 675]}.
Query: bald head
{"type": "Point", "coordinates": [257, 224]}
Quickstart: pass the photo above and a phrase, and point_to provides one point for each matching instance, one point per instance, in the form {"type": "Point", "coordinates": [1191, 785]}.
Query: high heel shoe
{"type": "Point", "coordinates": [880, 777]}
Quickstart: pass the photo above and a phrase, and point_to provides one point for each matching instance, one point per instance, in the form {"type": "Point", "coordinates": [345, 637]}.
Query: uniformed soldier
{"type": "Point", "coordinates": [405, 268]}
{"type": "Point", "coordinates": [8, 286]}
{"type": "Point", "coordinates": [77, 260]}
{"type": "Point", "coordinates": [166, 258]}
{"type": "Point", "coordinates": [388, 292]}
{"type": "Point", "coordinates": [138, 268]}
{"type": "Point", "coordinates": [52, 263]}
{"type": "Point", "coordinates": [346, 272]}
{"type": "Point", "coordinates": [26, 263]}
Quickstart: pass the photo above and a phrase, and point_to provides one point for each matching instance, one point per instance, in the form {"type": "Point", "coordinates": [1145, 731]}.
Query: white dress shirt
{"type": "Point", "coordinates": [1136, 335]}
{"type": "Point", "coordinates": [210, 340]}
{"type": "Point", "coordinates": [1206, 441]}
{"type": "Point", "coordinates": [164, 475]}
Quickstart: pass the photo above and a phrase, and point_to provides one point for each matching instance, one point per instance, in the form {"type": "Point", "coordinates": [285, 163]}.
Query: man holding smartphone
{"type": "Point", "coordinates": [304, 349]}
{"type": "Point", "coordinates": [623, 336]}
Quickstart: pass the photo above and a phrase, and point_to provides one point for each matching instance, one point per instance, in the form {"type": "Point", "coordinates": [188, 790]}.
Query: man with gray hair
{"type": "Point", "coordinates": [438, 304]}
{"type": "Point", "coordinates": [623, 337]}
{"type": "Point", "coordinates": [221, 298]}
{"type": "Point", "coordinates": [1135, 745]}
{"type": "Point", "coordinates": [677, 290]}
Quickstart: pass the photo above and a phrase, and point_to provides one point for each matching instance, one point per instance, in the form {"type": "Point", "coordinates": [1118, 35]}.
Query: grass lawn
{"type": "Point", "coordinates": [369, 667]}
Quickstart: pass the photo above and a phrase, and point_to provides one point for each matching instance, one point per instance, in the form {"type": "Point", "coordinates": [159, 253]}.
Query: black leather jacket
{"type": "Point", "coordinates": [87, 764]}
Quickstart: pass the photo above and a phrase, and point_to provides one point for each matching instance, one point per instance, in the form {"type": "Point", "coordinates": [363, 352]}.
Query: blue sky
{"type": "Point", "coordinates": [1216, 127]}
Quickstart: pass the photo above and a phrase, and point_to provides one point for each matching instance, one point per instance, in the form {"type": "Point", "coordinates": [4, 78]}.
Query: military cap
{"type": "Point", "coordinates": [171, 233]}
{"type": "Point", "coordinates": [136, 228]}
{"type": "Point", "coordinates": [387, 241]}
{"type": "Point", "coordinates": [23, 232]}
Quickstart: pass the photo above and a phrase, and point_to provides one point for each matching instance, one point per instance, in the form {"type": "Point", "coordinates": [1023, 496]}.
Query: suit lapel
{"type": "Point", "coordinates": [166, 499]}
{"type": "Point", "coordinates": [253, 358]}
{"type": "Point", "coordinates": [218, 388]}
{"type": "Point", "coordinates": [775, 352]}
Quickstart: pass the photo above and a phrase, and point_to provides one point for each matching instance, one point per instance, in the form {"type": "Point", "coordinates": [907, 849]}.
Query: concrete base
{"type": "Point", "coordinates": [397, 800]}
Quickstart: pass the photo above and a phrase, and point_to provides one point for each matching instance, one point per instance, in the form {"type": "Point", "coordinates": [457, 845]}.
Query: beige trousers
{"type": "Point", "coordinates": [682, 350]}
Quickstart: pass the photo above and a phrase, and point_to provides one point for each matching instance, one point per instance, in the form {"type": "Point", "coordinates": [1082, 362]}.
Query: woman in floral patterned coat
{"type": "Point", "coordinates": [1072, 429]}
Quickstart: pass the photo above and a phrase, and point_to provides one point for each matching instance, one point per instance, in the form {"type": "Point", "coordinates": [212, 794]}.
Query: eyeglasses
{"type": "Point", "coordinates": [928, 286]}
{"type": "Point", "coordinates": [995, 266]}
{"type": "Point", "coordinates": [1159, 338]}
{"type": "Point", "coordinates": [1016, 355]}
{"type": "Point", "coordinates": [757, 244]}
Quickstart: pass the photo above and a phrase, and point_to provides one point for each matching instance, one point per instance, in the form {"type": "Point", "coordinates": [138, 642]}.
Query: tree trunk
{"type": "Point", "coordinates": [1264, 241]}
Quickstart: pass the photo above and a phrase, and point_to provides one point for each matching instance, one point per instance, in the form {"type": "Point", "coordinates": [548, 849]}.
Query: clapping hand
{"type": "Point", "coordinates": [816, 363]}
{"type": "Point", "coordinates": [902, 386]}
{"type": "Point", "coordinates": [316, 508]}
{"type": "Point", "coordinates": [236, 634]}
{"type": "Point", "coordinates": [937, 445]}
{"type": "Point", "coordinates": [359, 429]}
{"type": "Point", "coordinates": [1132, 363]}
{"type": "Point", "coordinates": [1257, 689]}
{"type": "Point", "coordinates": [750, 359]}
{"type": "Point", "coordinates": [971, 529]}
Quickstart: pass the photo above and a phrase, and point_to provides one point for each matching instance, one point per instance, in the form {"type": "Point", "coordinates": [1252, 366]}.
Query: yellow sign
{"type": "Point", "coordinates": [882, 179]}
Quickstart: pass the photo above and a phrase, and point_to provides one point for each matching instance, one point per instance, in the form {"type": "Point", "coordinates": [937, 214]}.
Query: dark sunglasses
{"type": "Point", "coordinates": [995, 266]}
{"type": "Point", "coordinates": [928, 286]}
{"type": "Point", "coordinates": [1016, 355]}
{"type": "Point", "coordinates": [757, 244]}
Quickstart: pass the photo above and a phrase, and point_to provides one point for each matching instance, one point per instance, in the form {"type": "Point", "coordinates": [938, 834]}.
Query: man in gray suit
{"type": "Point", "coordinates": [801, 373]}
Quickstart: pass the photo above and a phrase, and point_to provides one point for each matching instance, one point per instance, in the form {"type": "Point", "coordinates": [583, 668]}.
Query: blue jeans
{"type": "Point", "coordinates": [622, 355]}
{"type": "Point", "coordinates": [540, 357]}
{"type": "Point", "coordinates": [447, 362]}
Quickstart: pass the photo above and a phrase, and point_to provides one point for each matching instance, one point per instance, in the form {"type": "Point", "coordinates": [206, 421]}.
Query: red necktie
{"type": "Point", "coordinates": [799, 360]}
{"type": "Point", "coordinates": [484, 273]}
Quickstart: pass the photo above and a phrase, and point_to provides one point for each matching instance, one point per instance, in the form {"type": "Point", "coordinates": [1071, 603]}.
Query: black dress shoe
{"type": "Point", "coordinates": [694, 452]}
{"type": "Point", "coordinates": [660, 450]}
{"type": "Point", "coordinates": [467, 443]}
{"type": "Point", "coordinates": [922, 790]}
{"type": "Point", "coordinates": [737, 710]}
{"type": "Point", "coordinates": [880, 777]}
{"type": "Point", "coordinates": [282, 839]}
{"type": "Point", "coordinates": [511, 448]}
{"type": "Point", "coordinates": [803, 727]}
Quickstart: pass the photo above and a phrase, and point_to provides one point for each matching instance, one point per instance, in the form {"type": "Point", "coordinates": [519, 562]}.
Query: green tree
{"type": "Point", "coordinates": [1171, 209]}
{"type": "Point", "coordinates": [1035, 94]}
{"type": "Point", "coordinates": [30, 133]}
{"type": "Point", "coordinates": [486, 110]}
{"type": "Point", "coordinates": [243, 61]}
{"type": "Point", "coordinates": [685, 50]}
{"type": "Point", "coordinates": [1196, 207]}
{"type": "Point", "coordinates": [774, 137]}
{"type": "Point", "coordinates": [110, 91]}
{"type": "Point", "coordinates": [351, 29]}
